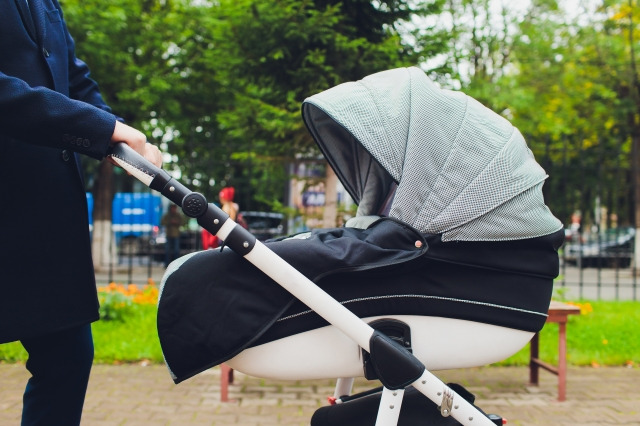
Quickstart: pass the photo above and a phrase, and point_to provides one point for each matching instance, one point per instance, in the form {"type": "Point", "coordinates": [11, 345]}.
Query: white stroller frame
{"type": "Point", "coordinates": [396, 366]}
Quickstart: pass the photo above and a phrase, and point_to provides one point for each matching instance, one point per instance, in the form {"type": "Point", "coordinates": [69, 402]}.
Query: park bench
{"type": "Point", "coordinates": [558, 313]}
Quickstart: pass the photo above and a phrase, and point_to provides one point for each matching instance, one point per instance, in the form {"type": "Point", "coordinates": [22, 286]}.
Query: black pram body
{"type": "Point", "coordinates": [217, 304]}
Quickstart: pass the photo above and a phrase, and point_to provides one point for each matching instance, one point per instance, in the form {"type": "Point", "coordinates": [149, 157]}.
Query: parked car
{"type": "Point", "coordinates": [264, 225]}
{"type": "Point", "coordinates": [611, 249]}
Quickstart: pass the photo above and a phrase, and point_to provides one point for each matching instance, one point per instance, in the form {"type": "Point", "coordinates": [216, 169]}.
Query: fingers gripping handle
{"type": "Point", "coordinates": [138, 166]}
{"type": "Point", "coordinates": [149, 174]}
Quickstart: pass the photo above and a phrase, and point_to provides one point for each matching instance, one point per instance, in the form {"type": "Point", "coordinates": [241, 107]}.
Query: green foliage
{"type": "Point", "coordinates": [115, 306]}
{"type": "Point", "coordinates": [272, 62]}
{"type": "Point", "coordinates": [220, 84]}
{"type": "Point", "coordinates": [13, 352]}
{"type": "Point", "coordinates": [132, 340]}
{"type": "Point", "coordinates": [273, 56]}
{"type": "Point", "coordinates": [568, 80]}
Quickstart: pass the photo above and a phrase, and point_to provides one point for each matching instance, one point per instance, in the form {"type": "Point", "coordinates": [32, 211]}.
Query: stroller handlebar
{"type": "Point", "coordinates": [138, 166]}
{"type": "Point", "coordinates": [193, 204]}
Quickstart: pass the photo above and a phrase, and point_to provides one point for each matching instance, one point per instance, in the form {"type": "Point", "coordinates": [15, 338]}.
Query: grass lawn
{"type": "Point", "coordinates": [606, 334]}
{"type": "Point", "coordinates": [132, 339]}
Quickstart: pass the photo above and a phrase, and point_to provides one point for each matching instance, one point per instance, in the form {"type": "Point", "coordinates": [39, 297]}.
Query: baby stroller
{"type": "Point", "coordinates": [449, 262]}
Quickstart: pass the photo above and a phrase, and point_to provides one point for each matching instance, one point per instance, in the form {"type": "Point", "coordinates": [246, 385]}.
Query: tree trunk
{"type": "Point", "coordinates": [103, 243]}
{"type": "Point", "coordinates": [330, 214]}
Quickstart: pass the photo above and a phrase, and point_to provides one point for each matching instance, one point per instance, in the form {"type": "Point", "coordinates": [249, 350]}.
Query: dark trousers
{"type": "Point", "coordinates": [59, 364]}
{"type": "Point", "coordinates": [172, 250]}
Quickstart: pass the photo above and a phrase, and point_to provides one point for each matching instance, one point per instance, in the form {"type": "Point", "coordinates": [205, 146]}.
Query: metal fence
{"type": "Point", "coordinates": [595, 277]}
{"type": "Point", "coordinates": [141, 258]}
{"type": "Point", "coordinates": [598, 266]}
{"type": "Point", "coordinates": [590, 190]}
{"type": "Point", "coordinates": [597, 283]}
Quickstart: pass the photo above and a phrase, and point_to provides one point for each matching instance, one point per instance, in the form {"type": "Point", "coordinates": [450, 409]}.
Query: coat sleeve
{"type": "Point", "coordinates": [81, 86]}
{"type": "Point", "coordinates": [45, 117]}
{"type": "Point", "coordinates": [81, 121]}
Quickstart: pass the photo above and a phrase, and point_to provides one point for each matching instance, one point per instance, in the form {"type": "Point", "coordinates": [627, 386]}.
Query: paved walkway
{"type": "Point", "coordinates": [145, 395]}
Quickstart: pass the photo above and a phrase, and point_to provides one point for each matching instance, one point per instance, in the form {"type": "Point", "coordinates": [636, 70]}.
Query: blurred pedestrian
{"type": "Point", "coordinates": [209, 241]}
{"type": "Point", "coordinates": [226, 196]}
{"type": "Point", "coordinates": [227, 204]}
{"type": "Point", "coordinates": [172, 222]}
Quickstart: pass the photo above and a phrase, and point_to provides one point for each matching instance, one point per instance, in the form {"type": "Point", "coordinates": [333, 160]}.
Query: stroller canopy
{"type": "Point", "coordinates": [461, 170]}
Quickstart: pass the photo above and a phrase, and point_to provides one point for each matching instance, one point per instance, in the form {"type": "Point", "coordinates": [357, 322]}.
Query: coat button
{"type": "Point", "coordinates": [65, 155]}
{"type": "Point", "coordinates": [45, 52]}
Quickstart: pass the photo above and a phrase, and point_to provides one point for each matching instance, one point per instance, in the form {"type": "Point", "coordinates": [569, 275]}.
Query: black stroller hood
{"type": "Point", "coordinates": [462, 171]}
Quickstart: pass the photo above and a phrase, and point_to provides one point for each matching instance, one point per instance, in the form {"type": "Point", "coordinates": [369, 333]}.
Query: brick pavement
{"type": "Point", "coordinates": [145, 395]}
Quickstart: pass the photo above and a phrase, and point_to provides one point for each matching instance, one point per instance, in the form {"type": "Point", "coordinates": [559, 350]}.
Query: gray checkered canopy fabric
{"type": "Point", "coordinates": [461, 170]}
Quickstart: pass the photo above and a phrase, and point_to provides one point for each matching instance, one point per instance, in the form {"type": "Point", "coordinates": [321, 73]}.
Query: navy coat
{"type": "Point", "coordinates": [49, 110]}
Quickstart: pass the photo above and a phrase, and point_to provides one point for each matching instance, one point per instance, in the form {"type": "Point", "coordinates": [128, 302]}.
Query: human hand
{"type": "Point", "coordinates": [138, 141]}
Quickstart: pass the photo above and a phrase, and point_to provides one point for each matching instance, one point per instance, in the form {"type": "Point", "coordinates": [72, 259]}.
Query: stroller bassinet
{"type": "Point", "coordinates": [467, 236]}
{"type": "Point", "coordinates": [453, 246]}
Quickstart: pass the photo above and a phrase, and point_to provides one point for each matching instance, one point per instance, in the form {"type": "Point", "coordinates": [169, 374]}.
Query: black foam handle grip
{"type": "Point", "coordinates": [138, 166]}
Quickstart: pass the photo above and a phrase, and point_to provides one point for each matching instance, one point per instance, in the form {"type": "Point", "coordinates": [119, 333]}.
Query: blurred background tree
{"type": "Point", "coordinates": [219, 85]}
{"type": "Point", "coordinates": [565, 74]}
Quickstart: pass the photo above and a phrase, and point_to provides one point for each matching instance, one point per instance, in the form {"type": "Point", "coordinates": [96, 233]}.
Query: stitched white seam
{"type": "Point", "coordinates": [419, 296]}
